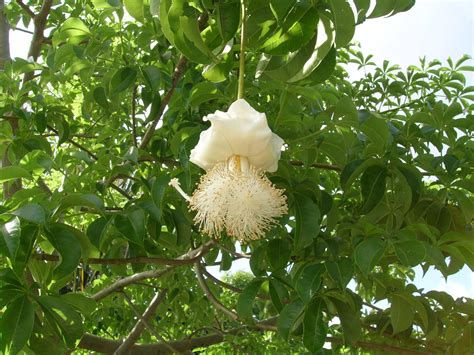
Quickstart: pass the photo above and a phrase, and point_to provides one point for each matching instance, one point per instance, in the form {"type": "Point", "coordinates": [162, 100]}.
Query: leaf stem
{"type": "Point", "coordinates": [243, 38]}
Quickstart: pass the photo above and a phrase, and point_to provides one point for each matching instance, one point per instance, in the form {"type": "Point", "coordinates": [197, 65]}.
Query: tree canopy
{"type": "Point", "coordinates": [98, 253]}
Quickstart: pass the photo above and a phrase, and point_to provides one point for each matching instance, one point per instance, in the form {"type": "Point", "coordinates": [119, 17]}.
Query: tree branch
{"type": "Point", "coordinates": [98, 344]}
{"type": "Point", "coordinates": [210, 296]}
{"type": "Point", "coordinates": [317, 165]}
{"type": "Point", "coordinates": [121, 261]}
{"type": "Point", "coordinates": [147, 325]}
{"type": "Point", "coordinates": [38, 35]}
{"type": "Point", "coordinates": [26, 8]}
{"type": "Point", "coordinates": [191, 255]}
{"type": "Point", "coordinates": [140, 325]}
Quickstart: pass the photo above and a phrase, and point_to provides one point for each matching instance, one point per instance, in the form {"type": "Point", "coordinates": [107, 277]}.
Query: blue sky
{"type": "Point", "coordinates": [436, 29]}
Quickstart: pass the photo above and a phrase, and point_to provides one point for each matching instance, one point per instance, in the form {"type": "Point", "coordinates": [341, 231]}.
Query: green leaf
{"type": "Point", "coordinates": [413, 179]}
{"type": "Point", "coordinates": [323, 71]}
{"type": "Point", "coordinates": [100, 97]}
{"type": "Point", "coordinates": [13, 172]}
{"type": "Point", "coordinates": [152, 76]}
{"type": "Point", "coordinates": [134, 8]}
{"type": "Point", "coordinates": [278, 293]}
{"type": "Point", "coordinates": [368, 253]}
{"type": "Point", "coordinates": [180, 26]}
{"type": "Point", "coordinates": [247, 297]}
{"type": "Point", "coordinates": [204, 92]}
{"type": "Point", "coordinates": [17, 324]}
{"type": "Point", "coordinates": [73, 30]}
{"type": "Point", "coordinates": [183, 227]}
{"type": "Point", "coordinates": [363, 7]}
{"type": "Point", "coordinates": [293, 37]}
{"type": "Point", "coordinates": [350, 321]}
{"type": "Point", "coordinates": [11, 235]}
{"type": "Point", "coordinates": [341, 271]}
{"type": "Point", "coordinates": [382, 8]}
{"type": "Point", "coordinates": [122, 79]}
{"type": "Point", "coordinates": [314, 327]}
{"type": "Point", "coordinates": [64, 240]}
{"type": "Point", "coordinates": [401, 313]}
{"type": "Point", "coordinates": [132, 225]}
{"type": "Point", "coordinates": [63, 319]}
{"type": "Point", "coordinates": [280, 8]}
{"type": "Point", "coordinates": [80, 200]}
{"type": "Point", "coordinates": [288, 317]}
{"type": "Point", "coordinates": [31, 212]}
{"type": "Point", "coordinates": [377, 131]}
{"type": "Point", "coordinates": [309, 281]}
{"type": "Point", "coordinates": [228, 18]}
{"type": "Point", "coordinates": [96, 230]}
{"type": "Point", "coordinates": [83, 304]}
{"type": "Point", "coordinates": [324, 43]}
{"type": "Point", "coordinates": [307, 221]}
{"type": "Point", "coordinates": [278, 252]}
{"type": "Point", "coordinates": [158, 190]}
{"type": "Point", "coordinates": [372, 186]}
{"type": "Point", "coordinates": [410, 252]}
{"type": "Point", "coordinates": [258, 262]}
{"type": "Point", "coordinates": [344, 21]}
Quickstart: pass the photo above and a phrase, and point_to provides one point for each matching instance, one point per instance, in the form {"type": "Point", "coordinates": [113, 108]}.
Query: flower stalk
{"type": "Point", "coordinates": [243, 39]}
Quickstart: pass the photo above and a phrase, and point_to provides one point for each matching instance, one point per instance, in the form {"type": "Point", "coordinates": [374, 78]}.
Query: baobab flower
{"type": "Point", "coordinates": [234, 195]}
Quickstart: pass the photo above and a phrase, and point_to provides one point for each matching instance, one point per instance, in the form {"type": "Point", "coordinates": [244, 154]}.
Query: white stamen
{"type": "Point", "coordinates": [175, 183]}
{"type": "Point", "coordinates": [237, 198]}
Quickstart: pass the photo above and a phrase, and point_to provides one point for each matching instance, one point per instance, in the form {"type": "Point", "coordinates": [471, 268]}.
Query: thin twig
{"type": "Point", "coordinates": [26, 8]}
{"type": "Point", "coordinates": [228, 286]}
{"type": "Point", "coordinates": [240, 255]}
{"type": "Point", "coordinates": [22, 30]}
{"type": "Point", "coordinates": [209, 294]}
{"type": "Point", "coordinates": [140, 325]}
{"type": "Point", "coordinates": [317, 165]}
{"type": "Point", "coordinates": [145, 321]}
{"type": "Point", "coordinates": [134, 119]}
{"type": "Point", "coordinates": [408, 104]}
{"type": "Point", "coordinates": [74, 143]}
{"type": "Point", "coordinates": [193, 255]}
{"type": "Point", "coordinates": [44, 187]}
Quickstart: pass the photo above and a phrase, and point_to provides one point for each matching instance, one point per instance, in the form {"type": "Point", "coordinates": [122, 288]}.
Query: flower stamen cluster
{"type": "Point", "coordinates": [237, 198]}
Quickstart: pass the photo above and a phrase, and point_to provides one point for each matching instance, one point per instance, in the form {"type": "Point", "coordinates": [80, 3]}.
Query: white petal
{"type": "Point", "coordinates": [240, 131]}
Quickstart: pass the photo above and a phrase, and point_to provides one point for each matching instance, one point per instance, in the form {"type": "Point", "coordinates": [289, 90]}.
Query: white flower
{"type": "Point", "coordinates": [240, 131]}
{"type": "Point", "coordinates": [234, 196]}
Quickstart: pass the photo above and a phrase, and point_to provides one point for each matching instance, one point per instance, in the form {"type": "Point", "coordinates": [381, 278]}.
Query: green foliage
{"type": "Point", "coordinates": [377, 171]}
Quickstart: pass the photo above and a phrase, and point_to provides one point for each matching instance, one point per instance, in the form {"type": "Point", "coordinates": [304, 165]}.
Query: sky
{"type": "Point", "coordinates": [437, 29]}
